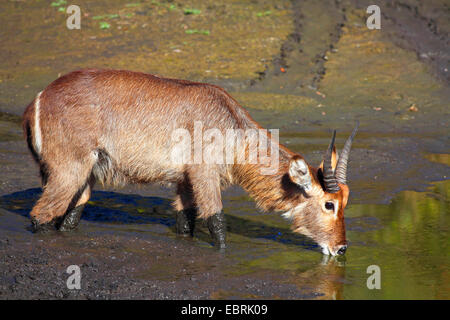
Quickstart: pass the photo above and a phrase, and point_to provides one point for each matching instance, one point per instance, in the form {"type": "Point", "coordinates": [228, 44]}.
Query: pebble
{"type": "Point", "coordinates": [413, 108]}
{"type": "Point", "coordinates": [320, 94]}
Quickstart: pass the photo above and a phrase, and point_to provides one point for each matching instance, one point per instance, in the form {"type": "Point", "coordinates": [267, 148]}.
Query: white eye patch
{"type": "Point", "coordinates": [335, 207]}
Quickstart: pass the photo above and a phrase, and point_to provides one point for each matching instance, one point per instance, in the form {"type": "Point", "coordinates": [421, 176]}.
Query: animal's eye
{"type": "Point", "coordinates": [329, 206]}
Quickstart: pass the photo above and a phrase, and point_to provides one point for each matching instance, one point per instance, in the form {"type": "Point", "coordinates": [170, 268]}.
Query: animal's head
{"type": "Point", "coordinates": [319, 212]}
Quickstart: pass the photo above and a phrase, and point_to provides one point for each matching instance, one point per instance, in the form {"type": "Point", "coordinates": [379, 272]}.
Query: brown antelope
{"type": "Point", "coordinates": [115, 127]}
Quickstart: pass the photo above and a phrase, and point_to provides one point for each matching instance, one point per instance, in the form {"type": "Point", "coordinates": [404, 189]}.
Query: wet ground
{"type": "Point", "coordinates": [304, 67]}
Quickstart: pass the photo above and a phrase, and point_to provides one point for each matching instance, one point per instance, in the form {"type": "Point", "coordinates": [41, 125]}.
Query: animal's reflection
{"type": "Point", "coordinates": [326, 279]}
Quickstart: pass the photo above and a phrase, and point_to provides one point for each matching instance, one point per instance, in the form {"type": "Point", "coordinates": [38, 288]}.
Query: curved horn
{"type": "Point", "coordinates": [329, 180]}
{"type": "Point", "coordinates": [341, 167]}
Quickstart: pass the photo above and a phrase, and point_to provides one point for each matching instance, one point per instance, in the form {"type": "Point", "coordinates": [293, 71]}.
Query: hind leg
{"type": "Point", "coordinates": [185, 207]}
{"type": "Point", "coordinates": [71, 219]}
{"type": "Point", "coordinates": [65, 186]}
{"type": "Point", "coordinates": [73, 215]}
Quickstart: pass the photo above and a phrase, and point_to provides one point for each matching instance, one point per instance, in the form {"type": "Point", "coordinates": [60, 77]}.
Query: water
{"type": "Point", "coordinates": [408, 239]}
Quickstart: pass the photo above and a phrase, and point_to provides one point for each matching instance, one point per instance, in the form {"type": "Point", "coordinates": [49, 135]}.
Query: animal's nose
{"type": "Point", "coordinates": [342, 249]}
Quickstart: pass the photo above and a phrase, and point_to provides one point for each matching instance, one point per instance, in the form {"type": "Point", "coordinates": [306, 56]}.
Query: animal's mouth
{"type": "Point", "coordinates": [327, 251]}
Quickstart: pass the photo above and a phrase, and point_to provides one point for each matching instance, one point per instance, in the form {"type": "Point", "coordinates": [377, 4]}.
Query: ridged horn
{"type": "Point", "coordinates": [341, 167]}
{"type": "Point", "coordinates": [329, 180]}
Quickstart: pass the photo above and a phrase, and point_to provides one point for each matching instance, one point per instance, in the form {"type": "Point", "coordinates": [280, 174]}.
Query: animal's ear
{"type": "Point", "coordinates": [299, 172]}
{"type": "Point", "coordinates": [334, 160]}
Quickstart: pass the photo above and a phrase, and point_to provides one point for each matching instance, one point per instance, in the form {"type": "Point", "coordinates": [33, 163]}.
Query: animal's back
{"type": "Point", "coordinates": [129, 117]}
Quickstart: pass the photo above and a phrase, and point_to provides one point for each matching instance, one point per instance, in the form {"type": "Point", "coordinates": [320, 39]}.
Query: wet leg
{"type": "Point", "coordinates": [185, 207]}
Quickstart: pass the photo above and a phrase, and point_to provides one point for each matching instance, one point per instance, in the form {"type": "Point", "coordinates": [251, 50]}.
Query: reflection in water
{"type": "Point", "coordinates": [408, 239]}
{"type": "Point", "coordinates": [326, 279]}
{"type": "Point", "coordinates": [411, 247]}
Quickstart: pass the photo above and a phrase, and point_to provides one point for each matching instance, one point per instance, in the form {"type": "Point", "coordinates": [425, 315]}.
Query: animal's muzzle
{"type": "Point", "coordinates": [342, 249]}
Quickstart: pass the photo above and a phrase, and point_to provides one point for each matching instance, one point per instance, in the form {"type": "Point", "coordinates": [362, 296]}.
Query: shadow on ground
{"type": "Point", "coordinates": [123, 209]}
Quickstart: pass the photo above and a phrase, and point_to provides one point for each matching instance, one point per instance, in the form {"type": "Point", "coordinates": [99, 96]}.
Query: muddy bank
{"type": "Point", "coordinates": [428, 36]}
{"type": "Point", "coordinates": [124, 267]}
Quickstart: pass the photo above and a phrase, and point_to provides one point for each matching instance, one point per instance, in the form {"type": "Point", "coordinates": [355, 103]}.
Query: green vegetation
{"type": "Point", "coordinates": [191, 11]}
{"type": "Point", "coordinates": [58, 3]}
{"type": "Point", "coordinates": [130, 5]}
{"type": "Point", "coordinates": [106, 16]}
{"type": "Point", "coordinates": [264, 14]}
{"type": "Point", "coordinates": [104, 25]}
{"type": "Point", "coordinates": [194, 31]}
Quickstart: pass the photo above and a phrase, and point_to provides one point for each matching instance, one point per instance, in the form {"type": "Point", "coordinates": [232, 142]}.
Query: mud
{"type": "Point", "coordinates": [336, 72]}
{"type": "Point", "coordinates": [428, 37]}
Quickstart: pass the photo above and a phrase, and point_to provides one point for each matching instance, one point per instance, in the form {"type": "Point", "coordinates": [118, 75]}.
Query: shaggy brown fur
{"type": "Point", "coordinates": [115, 127]}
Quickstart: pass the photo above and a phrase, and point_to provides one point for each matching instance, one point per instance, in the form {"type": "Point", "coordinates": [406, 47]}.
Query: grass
{"type": "Point", "coordinates": [104, 25]}
{"type": "Point", "coordinates": [106, 16]}
{"type": "Point", "coordinates": [195, 31]}
{"type": "Point", "coordinates": [191, 11]}
{"type": "Point", "coordinates": [130, 5]}
{"type": "Point", "coordinates": [58, 3]}
{"type": "Point", "coordinates": [264, 14]}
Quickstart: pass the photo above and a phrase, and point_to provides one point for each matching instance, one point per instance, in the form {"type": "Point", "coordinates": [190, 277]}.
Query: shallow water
{"type": "Point", "coordinates": [408, 239]}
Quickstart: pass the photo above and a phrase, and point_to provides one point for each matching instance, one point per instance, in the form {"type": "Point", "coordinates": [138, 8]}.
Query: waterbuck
{"type": "Point", "coordinates": [115, 127]}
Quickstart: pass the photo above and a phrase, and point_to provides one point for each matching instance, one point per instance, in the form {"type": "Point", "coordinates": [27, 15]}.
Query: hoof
{"type": "Point", "coordinates": [185, 222]}
{"type": "Point", "coordinates": [217, 229]}
{"type": "Point", "coordinates": [71, 219]}
{"type": "Point", "coordinates": [37, 227]}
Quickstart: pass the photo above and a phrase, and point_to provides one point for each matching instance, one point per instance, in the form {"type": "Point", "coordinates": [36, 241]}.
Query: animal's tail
{"type": "Point", "coordinates": [32, 127]}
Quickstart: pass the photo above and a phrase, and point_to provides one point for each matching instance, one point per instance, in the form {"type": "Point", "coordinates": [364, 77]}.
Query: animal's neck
{"type": "Point", "coordinates": [267, 190]}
